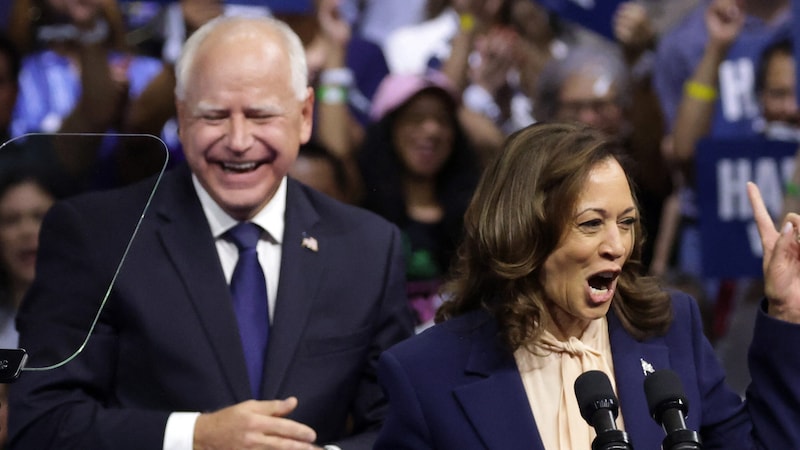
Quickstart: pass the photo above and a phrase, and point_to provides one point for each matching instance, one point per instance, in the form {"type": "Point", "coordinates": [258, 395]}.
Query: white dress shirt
{"type": "Point", "coordinates": [179, 432]}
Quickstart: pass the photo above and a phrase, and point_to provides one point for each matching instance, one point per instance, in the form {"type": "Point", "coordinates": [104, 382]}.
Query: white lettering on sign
{"type": "Point", "coordinates": [736, 88]}
{"type": "Point", "coordinates": [770, 174]}
{"type": "Point", "coordinates": [732, 178]}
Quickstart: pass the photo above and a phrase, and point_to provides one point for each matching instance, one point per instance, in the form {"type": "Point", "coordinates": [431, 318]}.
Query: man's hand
{"type": "Point", "coordinates": [781, 259]}
{"type": "Point", "coordinates": [253, 425]}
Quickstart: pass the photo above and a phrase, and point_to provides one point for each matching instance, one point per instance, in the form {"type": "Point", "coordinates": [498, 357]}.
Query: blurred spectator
{"type": "Point", "coordinates": [504, 63]}
{"type": "Point", "coordinates": [448, 33]}
{"type": "Point", "coordinates": [492, 51]}
{"type": "Point", "coordinates": [696, 110]}
{"type": "Point", "coordinates": [681, 49]}
{"type": "Point", "coordinates": [712, 54]}
{"type": "Point", "coordinates": [419, 171]}
{"type": "Point", "coordinates": [319, 168]}
{"type": "Point", "coordinates": [593, 85]}
{"type": "Point", "coordinates": [444, 42]}
{"type": "Point", "coordinates": [16, 155]}
{"type": "Point", "coordinates": [707, 90]}
{"type": "Point", "coordinates": [776, 90]}
{"type": "Point", "coordinates": [698, 116]}
{"type": "Point", "coordinates": [24, 199]}
{"type": "Point", "coordinates": [144, 24]}
{"type": "Point", "coordinates": [776, 87]}
{"type": "Point", "coordinates": [666, 14]}
{"type": "Point", "coordinates": [78, 76]}
{"type": "Point", "coordinates": [379, 18]}
{"type": "Point", "coordinates": [345, 70]}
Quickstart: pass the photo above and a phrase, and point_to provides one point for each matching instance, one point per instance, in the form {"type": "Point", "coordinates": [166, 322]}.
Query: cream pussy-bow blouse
{"type": "Point", "coordinates": [548, 375]}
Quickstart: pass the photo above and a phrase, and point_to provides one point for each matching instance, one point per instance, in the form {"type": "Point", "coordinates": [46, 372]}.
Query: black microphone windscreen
{"type": "Point", "coordinates": [663, 386]}
{"type": "Point", "coordinates": [593, 391]}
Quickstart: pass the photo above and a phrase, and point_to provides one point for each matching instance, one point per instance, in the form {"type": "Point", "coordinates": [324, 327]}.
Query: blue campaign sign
{"type": "Point", "coordinates": [730, 244]}
{"type": "Point", "coordinates": [595, 15]}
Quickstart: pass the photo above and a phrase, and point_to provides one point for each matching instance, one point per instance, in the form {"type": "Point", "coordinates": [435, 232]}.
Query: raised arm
{"type": "Point", "coordinates": [724, 21]}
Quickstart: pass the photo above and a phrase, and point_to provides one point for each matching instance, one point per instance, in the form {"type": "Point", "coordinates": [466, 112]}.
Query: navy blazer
{"type": "Point", "coordinates": [456, 386]}
{"type": "Point", "coordinates": [167, 339]}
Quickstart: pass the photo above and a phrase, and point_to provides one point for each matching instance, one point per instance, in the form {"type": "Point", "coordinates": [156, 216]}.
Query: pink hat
{"type": "Point", "coordinates": [395, 90]}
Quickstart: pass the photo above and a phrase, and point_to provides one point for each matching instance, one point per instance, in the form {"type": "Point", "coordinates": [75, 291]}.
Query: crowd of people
{"type": "Point", "coordinates": [497, 170]}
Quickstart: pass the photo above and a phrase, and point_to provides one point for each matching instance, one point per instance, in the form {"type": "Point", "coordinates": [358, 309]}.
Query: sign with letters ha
{"type": "Point", "coordinates": [595, 15]}
{"type": "Point", "coordinates": [731, 246]}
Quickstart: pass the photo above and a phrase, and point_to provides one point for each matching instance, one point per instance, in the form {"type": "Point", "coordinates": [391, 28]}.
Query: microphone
{"type": "Point", "coordinates": [598, 406]}
{"type": "Point", "coordinates": [669, 407]}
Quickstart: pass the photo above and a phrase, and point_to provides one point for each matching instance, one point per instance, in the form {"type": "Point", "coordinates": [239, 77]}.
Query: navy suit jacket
{"type": "Point", "coordinates": [456, 387]}
{"type": "Point", "coordinates": [167, 338]}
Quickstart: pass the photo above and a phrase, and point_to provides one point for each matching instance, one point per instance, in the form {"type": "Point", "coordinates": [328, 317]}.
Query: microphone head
{"type": "Point", "coordinates": [664, 390]}
{"type": "Point", "coordinates": [594, 392]}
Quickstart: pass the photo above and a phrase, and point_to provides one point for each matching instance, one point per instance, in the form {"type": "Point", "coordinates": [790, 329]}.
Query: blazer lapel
{"type": "Point", "coordinates": [301, 272]}
{"type": "Point", "coordinates": [631, 359]}
{"type": "Point", "coordinates": [187, 240]}
{"type": "Point", "coordinates": [496, 403]}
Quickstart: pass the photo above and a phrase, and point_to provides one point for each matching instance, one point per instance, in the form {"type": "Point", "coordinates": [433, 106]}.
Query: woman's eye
{"type": "Point", "coordinates": [628, 222]}
{"type": "Point", "coordinates": [594, 223]}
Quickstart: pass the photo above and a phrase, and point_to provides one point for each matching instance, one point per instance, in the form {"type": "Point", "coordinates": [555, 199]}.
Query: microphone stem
{"type": "Point", "coordinates": [612, 440]}
{"type": "Point", "coordinates": [682, 440]}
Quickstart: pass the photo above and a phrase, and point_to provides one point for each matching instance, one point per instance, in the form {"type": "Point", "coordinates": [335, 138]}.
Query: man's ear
{"type": "Point", "coordinates": [307, 116]}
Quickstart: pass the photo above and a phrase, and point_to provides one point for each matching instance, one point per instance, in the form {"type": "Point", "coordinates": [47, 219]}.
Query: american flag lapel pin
{"type": "Point", "coordinates": [310, 243]}
{"type": "Point", "coordinates": [647, 368]}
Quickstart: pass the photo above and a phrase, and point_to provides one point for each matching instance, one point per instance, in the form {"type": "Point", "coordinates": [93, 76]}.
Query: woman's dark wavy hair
{"type": "Point", "coordinates": [382, 173]}
{"type": "Point", "coordinates": [521, 208]}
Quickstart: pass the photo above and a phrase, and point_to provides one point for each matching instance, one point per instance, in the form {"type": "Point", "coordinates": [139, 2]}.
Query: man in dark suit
{"type": "Point", "coordinates": [165, 366]}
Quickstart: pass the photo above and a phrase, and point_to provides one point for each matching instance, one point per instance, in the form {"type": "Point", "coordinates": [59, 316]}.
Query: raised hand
{"type": "Point", "coordinates": [724, 21]}
{"type": "Point", "coordinates": [633, 27]}
{"type": "Point", "coordinates": [781, 259]}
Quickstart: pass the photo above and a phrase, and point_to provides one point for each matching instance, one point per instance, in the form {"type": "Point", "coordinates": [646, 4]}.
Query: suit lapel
{"type": "Point", "coordinates": [496, 403]}
{"type": "Point", "coordinates": [186, 237]}
{"type": "Point", "coordinates": [300, 275]}
{"type": "Point", "coordinates": [629, 358]}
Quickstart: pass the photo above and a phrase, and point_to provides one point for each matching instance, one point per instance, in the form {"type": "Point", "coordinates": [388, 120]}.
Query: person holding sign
{"type": "Point", "coordinates": [702, 151]}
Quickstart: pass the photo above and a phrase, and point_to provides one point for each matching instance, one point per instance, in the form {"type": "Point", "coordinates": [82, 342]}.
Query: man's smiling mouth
{"type": "Point", "coordinates": [240, 167]}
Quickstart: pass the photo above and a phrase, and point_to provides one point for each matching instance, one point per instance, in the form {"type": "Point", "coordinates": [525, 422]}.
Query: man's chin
{"type": "Point", "coordinates": [241, 204]}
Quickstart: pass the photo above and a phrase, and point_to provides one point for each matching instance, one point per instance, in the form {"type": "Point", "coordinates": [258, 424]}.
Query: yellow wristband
{"type": "Point", "coordinates": [466, 22]}
{"type": "Point", "coordinates": [700, 91]}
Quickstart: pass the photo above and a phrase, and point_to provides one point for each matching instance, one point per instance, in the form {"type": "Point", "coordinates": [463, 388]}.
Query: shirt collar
{"type": "Point", "coordinates": [270, 217]}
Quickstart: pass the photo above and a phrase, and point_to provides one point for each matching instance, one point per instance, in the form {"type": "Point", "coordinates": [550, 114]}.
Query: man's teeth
{"type": "Point", "coordinates": [239, 167]}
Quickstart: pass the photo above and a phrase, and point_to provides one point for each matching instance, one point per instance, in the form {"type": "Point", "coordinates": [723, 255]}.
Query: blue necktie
{"type": "Point", "coordinates": [249, 291]}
